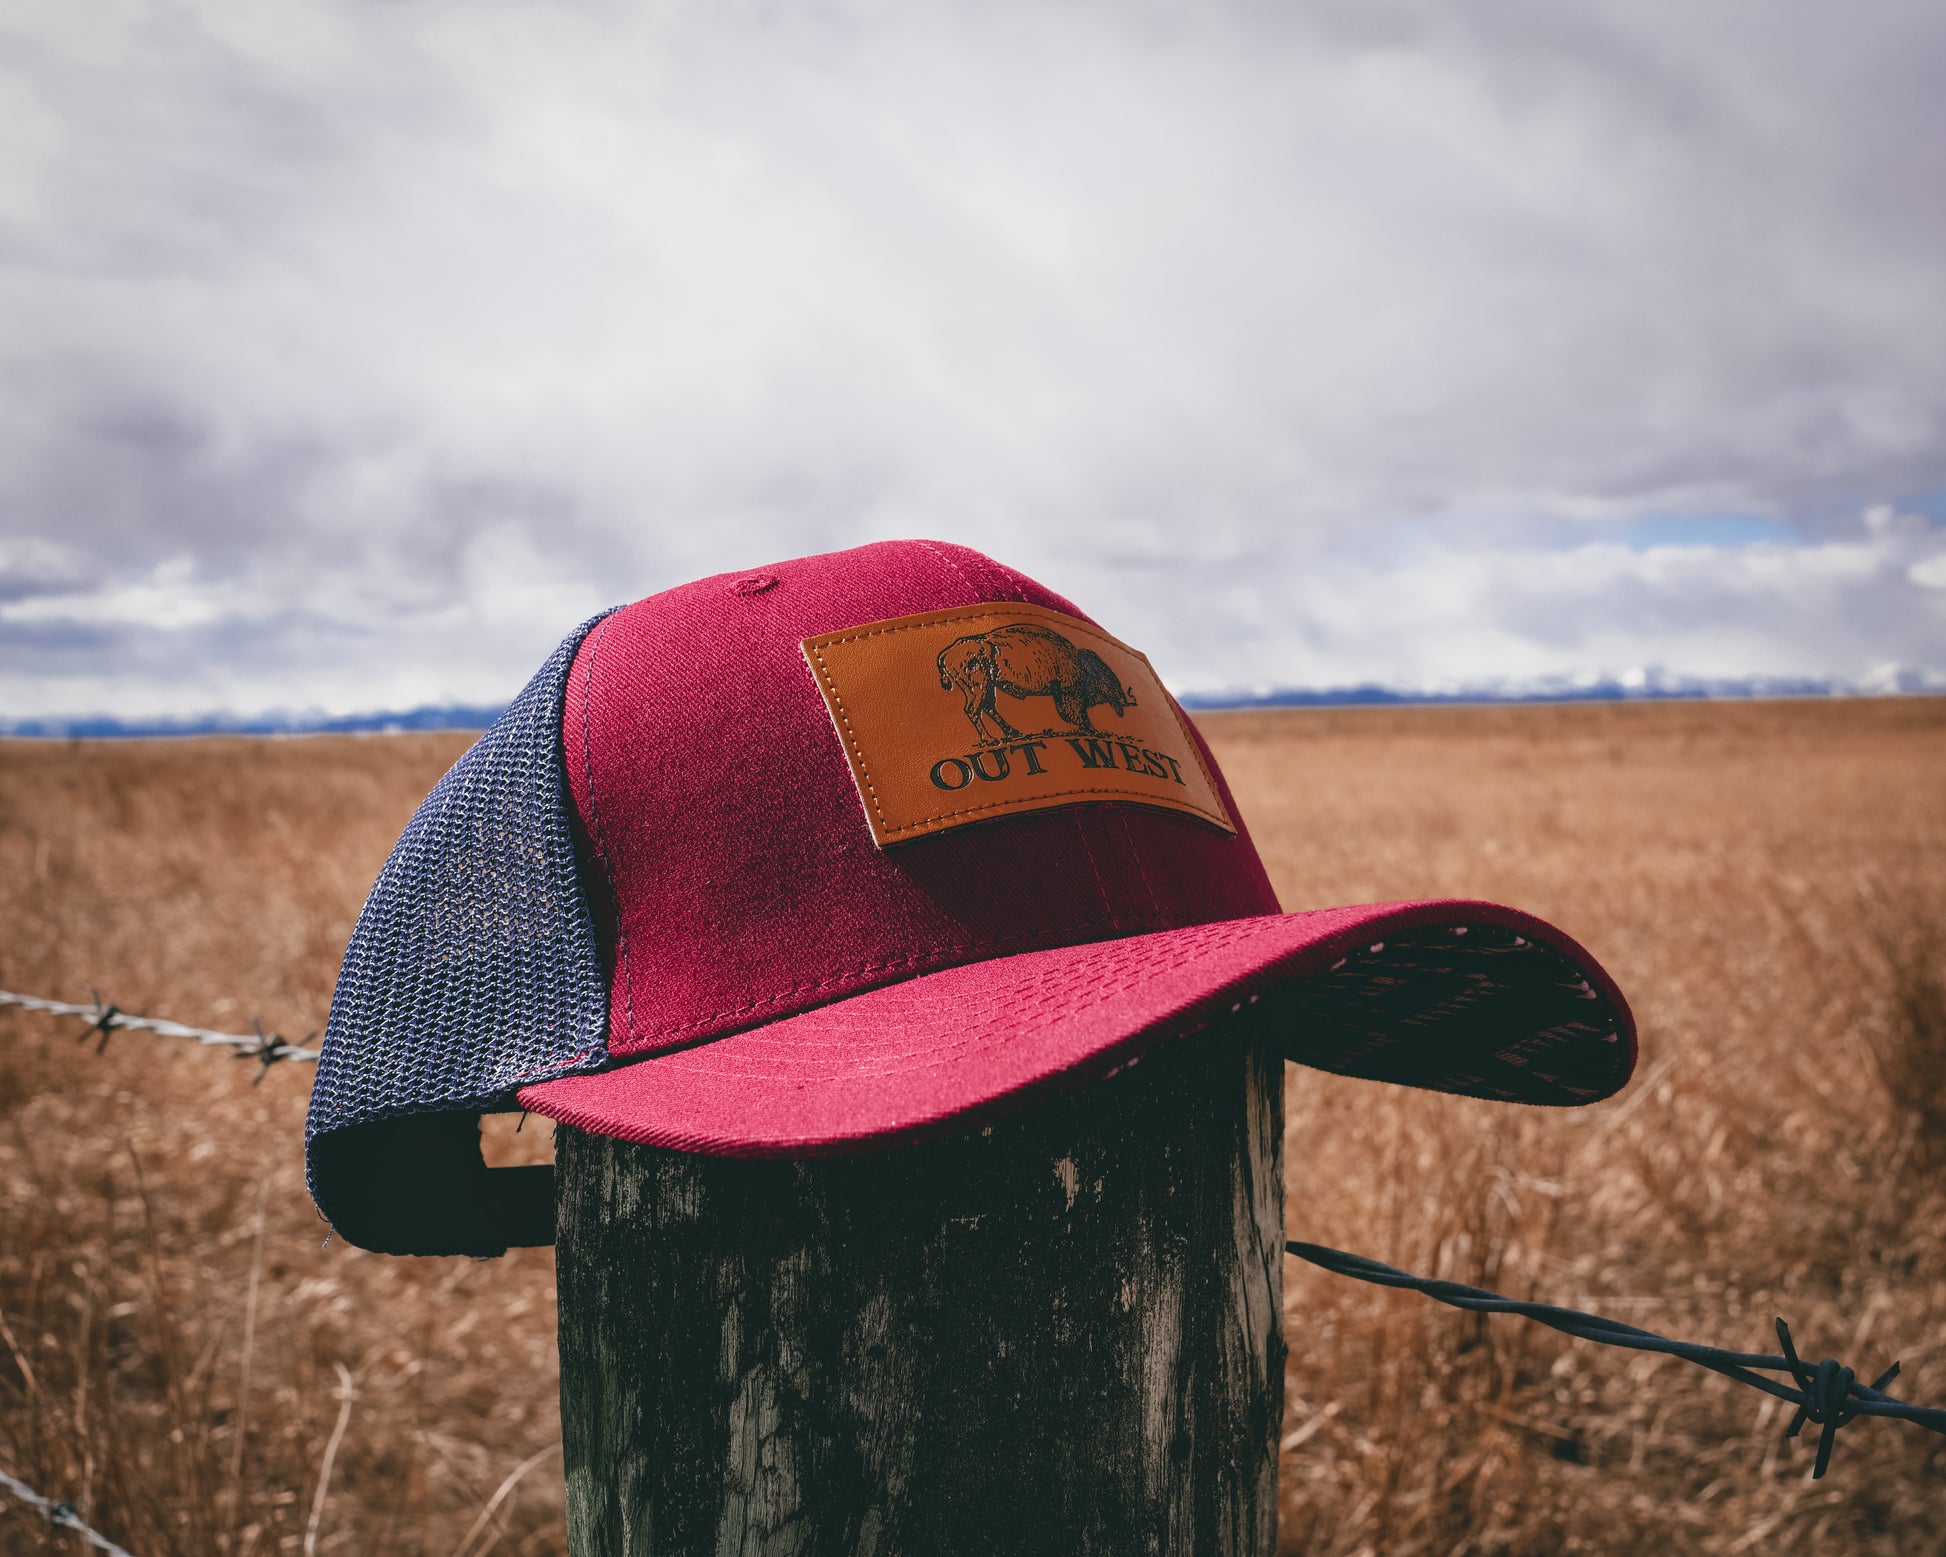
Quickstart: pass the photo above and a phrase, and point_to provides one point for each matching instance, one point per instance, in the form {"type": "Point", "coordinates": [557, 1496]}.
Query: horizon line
{"type": "Point", "coordinates": [435, 717]}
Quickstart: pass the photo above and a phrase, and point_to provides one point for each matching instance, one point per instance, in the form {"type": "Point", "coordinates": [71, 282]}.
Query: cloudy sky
{"type": "Point", "coordinates": [351, 352]}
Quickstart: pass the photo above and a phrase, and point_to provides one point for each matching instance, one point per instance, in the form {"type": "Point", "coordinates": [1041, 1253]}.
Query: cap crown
{"type": "Point", "coordinates": [661, 842]}
{"type": "Point", "coordinates": [730, 857]}
{"type": "Point", "coordinates": [755, 795]}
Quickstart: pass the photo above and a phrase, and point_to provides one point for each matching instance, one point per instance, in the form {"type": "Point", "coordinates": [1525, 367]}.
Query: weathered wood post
{"type": "Point", "coordinates": [1056, 1335]}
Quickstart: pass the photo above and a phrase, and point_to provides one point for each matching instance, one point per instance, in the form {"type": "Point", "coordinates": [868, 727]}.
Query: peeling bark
{"type": "Point", "coordinates": [1058, 1335]}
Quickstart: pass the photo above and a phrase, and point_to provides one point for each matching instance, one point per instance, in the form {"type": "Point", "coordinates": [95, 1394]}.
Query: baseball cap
{"type": "Point", "coordinates": [848, 852]}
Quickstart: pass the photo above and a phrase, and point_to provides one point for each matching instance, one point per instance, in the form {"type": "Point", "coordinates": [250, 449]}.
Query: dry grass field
{"type": "Point", "coordinates": [1767, 881]}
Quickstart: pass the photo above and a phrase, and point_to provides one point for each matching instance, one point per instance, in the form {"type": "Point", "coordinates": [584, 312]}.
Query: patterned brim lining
{"type": "Point", "coordinates": [1479, 1010]}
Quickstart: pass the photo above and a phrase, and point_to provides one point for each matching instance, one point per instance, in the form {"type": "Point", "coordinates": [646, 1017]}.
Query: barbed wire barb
{"type": "Point", "coordinates": [104, 1024]}
{"type": "Point", "coordinates": [105, 1018]}
{"type": "Point", "coordinates": [1828, 1396]}
{"type": "Point", "coordinates": [62, 1516]}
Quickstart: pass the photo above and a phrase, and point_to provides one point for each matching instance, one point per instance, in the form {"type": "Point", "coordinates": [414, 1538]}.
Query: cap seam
{"type": "Point", "coordinates": [595, 832]}
{"type": "Point", "coordinates": [696, 1024]}
{"type": "Point", "coordinates": [1094, 865]}
{"type": "Point", "coordinates": [986, 566]}
{"type": "Point", "coordinates": [1135, 854]}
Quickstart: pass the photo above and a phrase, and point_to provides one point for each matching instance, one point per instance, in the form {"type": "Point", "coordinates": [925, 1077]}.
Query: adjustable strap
{"type": "Point", "coordinates": [418, 1185]}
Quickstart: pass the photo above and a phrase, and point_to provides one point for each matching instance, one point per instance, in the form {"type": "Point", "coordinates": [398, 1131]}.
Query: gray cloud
{"type": "Point", "coordinates": [350, 353]}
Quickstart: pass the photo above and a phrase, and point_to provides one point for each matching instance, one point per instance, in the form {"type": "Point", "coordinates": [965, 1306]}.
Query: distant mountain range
{"type": "Point", "coordinates": [92, 727]}
{"type": "Point", "coordinates": [1651, 686]}
{"type": "Point", "coordinates": [1647, 687]}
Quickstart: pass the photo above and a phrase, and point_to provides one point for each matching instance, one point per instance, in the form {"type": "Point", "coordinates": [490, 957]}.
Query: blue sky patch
{"type": "Point", "coordinates": [1699, 530]}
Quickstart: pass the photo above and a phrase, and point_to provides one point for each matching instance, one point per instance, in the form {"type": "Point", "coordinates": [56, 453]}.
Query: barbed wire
{"type": "Point", "coordinates": [62, 1516]}
{"type": "Point", "coordinates": [1828, 1396]}
{"type": "Point", "coordinates": [107, 1019]}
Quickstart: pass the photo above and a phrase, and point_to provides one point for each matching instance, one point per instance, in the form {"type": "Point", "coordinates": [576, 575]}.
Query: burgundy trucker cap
{"type": "Point", "coordinates": [845, 853]}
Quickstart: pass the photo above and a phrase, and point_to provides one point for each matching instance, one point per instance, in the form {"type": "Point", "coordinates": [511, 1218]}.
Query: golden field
{"type": "Point", "coordinates": [1767, 881]}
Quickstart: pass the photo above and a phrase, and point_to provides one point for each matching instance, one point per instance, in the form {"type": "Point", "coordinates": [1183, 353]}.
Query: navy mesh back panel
{"type": "Point", "coordinates": [474, 970]}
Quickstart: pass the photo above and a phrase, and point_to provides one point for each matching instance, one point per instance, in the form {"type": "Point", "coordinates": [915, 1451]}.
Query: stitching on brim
{"type": "Point", "coordinates": [1265, 978]}
{"type": "Point", "coordinates": [1024, 1012]}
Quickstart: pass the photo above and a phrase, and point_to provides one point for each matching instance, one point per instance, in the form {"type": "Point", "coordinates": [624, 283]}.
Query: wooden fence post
{"type": "Point", "coordinates": [1059, 1335]}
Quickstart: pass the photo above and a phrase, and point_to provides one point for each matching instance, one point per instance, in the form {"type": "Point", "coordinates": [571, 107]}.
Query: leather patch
{"type": "Point", "coordinates": [961, 716]}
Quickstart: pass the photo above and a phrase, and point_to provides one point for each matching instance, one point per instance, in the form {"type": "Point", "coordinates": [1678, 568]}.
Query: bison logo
{"type": "Point", "coordinates": [1028, 660]}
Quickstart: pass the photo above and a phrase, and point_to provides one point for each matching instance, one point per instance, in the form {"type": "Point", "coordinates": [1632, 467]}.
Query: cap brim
{"type": "Point", "coordinates": [1454, 996]}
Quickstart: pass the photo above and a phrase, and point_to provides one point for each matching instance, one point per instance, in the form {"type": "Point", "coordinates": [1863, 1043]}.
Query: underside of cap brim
{"type": "Point", "coordinates": [1454, 996]}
